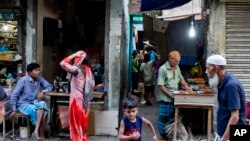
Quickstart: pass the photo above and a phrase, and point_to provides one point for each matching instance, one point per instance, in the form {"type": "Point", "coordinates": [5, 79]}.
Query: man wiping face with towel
{"type": "Point", "coordinates": [231, 97]}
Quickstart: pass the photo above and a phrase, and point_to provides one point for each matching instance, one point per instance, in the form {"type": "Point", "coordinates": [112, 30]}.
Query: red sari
{"type": "Point", "coordinates": [81, 84]}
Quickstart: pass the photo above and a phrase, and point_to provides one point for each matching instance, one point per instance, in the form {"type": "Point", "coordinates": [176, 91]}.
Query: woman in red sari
{"type": "Point", "coordinates": [81, 86]}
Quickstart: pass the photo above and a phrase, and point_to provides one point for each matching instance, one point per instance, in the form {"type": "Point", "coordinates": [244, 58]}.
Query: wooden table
{"type": "Point", "coordinates": [200, 101]}
{"type": "Point", "coordinates": [57, 98]}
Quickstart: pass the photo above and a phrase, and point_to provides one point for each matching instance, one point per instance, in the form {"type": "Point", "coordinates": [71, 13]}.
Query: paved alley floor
{"type": "Point", "coordinates": [149, 112]}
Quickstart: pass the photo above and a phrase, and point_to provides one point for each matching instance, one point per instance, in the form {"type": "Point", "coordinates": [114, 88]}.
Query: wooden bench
{"type": "Point", "coordinates": [200, 101]}
{"type": "Point", "coordinates": [17, 116]}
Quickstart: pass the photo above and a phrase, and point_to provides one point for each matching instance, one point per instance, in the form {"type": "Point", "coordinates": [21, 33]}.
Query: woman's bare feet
{"type": "Point", "coordinates": [42, 139]}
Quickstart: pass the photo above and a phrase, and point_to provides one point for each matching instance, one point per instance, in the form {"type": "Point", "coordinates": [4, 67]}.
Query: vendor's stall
{"type": "Point", "coordinates": [202, 99]}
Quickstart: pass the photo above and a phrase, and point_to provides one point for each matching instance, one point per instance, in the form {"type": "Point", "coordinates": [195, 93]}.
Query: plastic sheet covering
{"type": "Point", "coordinates": [182, 133]}
{"type": "Point", "coordinates": [63, 112]}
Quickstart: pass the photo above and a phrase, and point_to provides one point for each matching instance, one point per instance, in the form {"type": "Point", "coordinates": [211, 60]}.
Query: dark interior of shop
{"type": "Point", "coordinates": [83, 29]}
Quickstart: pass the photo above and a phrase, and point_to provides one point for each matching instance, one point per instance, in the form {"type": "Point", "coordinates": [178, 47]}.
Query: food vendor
{"type": "Point", "coordinates": [168, 81]}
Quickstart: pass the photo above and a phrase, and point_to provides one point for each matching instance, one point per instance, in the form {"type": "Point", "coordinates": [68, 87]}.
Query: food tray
{"type": "Point", "coordinates": [196, 99]}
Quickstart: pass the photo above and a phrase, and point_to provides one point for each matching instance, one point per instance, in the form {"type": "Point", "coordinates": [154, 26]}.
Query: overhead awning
{"type": "Point", "coordinates": [147, 5]}
{"type": "Point", "coordinates": [183, 11]}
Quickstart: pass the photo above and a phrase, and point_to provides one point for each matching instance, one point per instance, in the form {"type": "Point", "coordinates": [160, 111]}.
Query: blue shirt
{"type": "Point", "coordinates": [131, 127]}
{"type": "Point", "coordinates": [2, 94]}
{"type": "Point", "coordinates": [27, 90]}
{"type": "Point", "coordinates": [152, 56]}
{"type": "Point", "coordinates": [231, 96]}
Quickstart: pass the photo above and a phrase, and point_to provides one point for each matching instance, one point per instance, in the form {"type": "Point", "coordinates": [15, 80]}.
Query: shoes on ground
{"type": "Point", "coordinates": [143, 102]}
{"type": "Point", "coordinates": [35, 137]}
{"type": "Point", "coordinates": [163, 139]}
{"type": "Point", "coordinates": [136, 91]}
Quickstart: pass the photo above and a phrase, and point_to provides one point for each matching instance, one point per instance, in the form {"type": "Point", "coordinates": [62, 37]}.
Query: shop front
{"type": "Point", "coordinates": [11, 43]}
{"type": "Point", "coordinates": [47, 32]}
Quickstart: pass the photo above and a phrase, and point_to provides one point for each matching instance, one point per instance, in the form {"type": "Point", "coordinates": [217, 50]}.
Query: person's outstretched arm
{"type": "Point", "coordinates": [65, 63]}
{"type": "Point", "coordinates": [149, 124]}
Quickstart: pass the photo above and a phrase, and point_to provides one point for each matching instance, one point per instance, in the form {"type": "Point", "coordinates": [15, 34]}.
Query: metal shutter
{"type": "Point", "coordinates": [238, 42]}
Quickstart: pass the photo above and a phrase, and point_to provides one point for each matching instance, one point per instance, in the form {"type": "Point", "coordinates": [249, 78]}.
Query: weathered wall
{"type": "Point", "coordinates": [156, 37]}
{"type": "Point", "coordinates": [44, 53]}
{"type": "Point", "coordinates": [112, 53]}
{"type": "Point", "coordinates": [30, 35]}
{"type": "Point", "coordinates": [216, 36]}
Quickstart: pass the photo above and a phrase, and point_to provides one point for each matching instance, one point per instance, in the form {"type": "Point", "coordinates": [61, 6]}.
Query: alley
{"type": "Point", "coordinates": [149, 112]}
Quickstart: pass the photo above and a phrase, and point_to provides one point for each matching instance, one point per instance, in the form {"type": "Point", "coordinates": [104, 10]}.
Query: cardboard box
{"type": "Point", "coordinates": [7, 56]}
{"type": "Point", "coordinates": [91, 124]}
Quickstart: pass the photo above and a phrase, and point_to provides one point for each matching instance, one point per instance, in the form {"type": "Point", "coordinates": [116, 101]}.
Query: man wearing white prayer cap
{"type": "Point", "coordinates": [231, 97]}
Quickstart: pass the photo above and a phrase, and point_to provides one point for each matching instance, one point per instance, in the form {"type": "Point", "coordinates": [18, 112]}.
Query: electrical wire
{"type": "Point", "coordinates": [192, 10]}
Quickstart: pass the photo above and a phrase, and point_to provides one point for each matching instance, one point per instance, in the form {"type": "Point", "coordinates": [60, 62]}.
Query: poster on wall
{"type": "Point", "coordinates": [160, 25]}
{"type": "Point", "coordinates": [134, 6]}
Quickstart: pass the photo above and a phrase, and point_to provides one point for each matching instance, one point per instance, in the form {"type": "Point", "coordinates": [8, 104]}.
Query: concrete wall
{"type": "Point", "coordinates": [157, 37]}
{"type": "Point", "coordinates": [112, 52]}
{"type": "Point", "coordinates": [44, 53]}
{"type": "Point", "coordinates": [30, 34]}
{"type": "Point", "coordinates": [216, 36]}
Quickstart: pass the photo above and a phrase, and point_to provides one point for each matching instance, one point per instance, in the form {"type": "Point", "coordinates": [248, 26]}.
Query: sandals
{"type": "Point", "coordinates": [35, 137]}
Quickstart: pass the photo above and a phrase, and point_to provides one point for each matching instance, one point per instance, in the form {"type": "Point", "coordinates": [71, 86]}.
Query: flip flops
{"type": "Point", "coordinates": [35, 137]}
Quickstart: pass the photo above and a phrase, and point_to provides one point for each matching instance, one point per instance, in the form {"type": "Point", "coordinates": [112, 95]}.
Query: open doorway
{"type": "Point", "coordinates": [84, 30]}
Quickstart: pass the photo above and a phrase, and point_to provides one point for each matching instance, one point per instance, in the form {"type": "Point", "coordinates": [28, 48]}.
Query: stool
{"type": "Point", "coordinates": [17, 116]}
{"type": "Point", "coordinates": [13, 119]}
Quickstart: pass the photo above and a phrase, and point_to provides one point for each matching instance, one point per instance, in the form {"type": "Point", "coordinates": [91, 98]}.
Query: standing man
{"type": "Point", "coordinates": [168, 81]}
{"type": "Point", "coordinates": [231, 97]}
{"type": "Point", "coordinates": [27, 99]}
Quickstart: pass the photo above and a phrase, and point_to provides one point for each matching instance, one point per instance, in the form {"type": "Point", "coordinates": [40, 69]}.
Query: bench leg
{"type": "Point", "coordinates": [175, 122]}
{"type": "Point", "coordinates": [209, 124]}
{"type": "Point", "coordinates": [28, 126]}
{"type": "Point", "coordinates": [13, 128]}
{"type": "Point", "coordinates": [4, 129]}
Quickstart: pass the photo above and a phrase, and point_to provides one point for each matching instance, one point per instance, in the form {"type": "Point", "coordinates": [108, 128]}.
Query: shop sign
{"type": "Point", "coordinates": [6, 16]}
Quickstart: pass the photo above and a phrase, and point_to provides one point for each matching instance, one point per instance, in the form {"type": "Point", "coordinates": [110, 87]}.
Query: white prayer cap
{"type": "Point", "coordinates": [216, 60]}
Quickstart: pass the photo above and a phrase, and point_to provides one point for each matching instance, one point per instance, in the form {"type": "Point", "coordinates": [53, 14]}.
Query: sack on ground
{"type": "Point", "coordinates": [182, 133]}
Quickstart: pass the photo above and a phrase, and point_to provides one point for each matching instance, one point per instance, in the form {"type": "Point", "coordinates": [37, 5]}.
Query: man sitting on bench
{"type": "Point", "coordinates": [27, 99]}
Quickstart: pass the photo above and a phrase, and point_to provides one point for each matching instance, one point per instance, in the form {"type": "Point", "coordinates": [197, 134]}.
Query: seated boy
{"type": "Point", "coordinates": [27, 99]}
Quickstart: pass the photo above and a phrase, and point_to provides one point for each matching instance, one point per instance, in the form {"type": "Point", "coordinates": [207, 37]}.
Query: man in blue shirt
{"type": "Point", "coordinates": [231, 97]}
{"type": "Point", "coordinates": [27, 99]}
